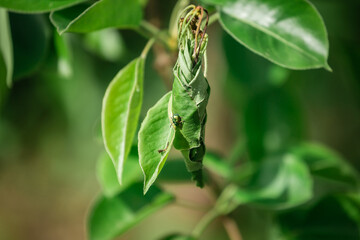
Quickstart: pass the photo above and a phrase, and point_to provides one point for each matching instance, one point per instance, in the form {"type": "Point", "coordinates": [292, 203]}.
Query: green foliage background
{"type": "Point", "coordinates": [265, 122]}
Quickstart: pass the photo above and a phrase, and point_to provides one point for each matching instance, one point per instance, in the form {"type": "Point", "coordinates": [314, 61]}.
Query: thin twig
{"type": "Point", "coordinates": [150, 31]}
{"type": "Point", "coordinates": [213, 18]}
{"type": "Point", "coordinates": [231, 228]}
{"type": "Point", "coordinates": [147, 47]}
{"type": "Point", "coordinates": [204, 222]}
{"type": "Point", "coordinates": [191, 205]}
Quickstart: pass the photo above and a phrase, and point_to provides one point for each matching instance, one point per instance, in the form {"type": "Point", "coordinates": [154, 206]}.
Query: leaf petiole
{"type": "Point", "coordinates": [147, 48]}
{"type": "Point", "coordinates": [213, 18]}
{"type": "Point", "coordinates": [148, 30]}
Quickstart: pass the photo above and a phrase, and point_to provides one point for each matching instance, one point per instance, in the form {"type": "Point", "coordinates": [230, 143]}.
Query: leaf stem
{"type": "Point", "coordinates": [205, 64]}
{"type": "Point", "coordinates": [147, 48]}
{"type": "Point", "coordinates": [191, 205]}
{"type": "Point", "coordinates": [204, 222]}
{"type": "Point", "coordinates": [150, 31]}
{"type": "Point", "coordinates": [213, 18]}
{"type": "Point", "coordinates": [154, 31]}
{"type": "Point", "coordinates": [231, 228]}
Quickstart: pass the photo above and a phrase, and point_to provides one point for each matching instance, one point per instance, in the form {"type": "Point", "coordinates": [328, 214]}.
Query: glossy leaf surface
{"type": "Point", "coordinates": [86, 18]}
{"type": "Point", "coordinates": [110, 217]}
{"type": "Point", "coordinates": [120, 114]}
{"type": "Point", "coordinates": [34, 6]}
{"type": "Point", "coordinates": [289, 33]}
{"type": "Point", "coordinates": [156, 137]}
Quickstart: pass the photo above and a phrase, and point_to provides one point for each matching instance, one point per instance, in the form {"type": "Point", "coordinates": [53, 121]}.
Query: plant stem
{"type": "Point", "coordinates": [204, 222]}
{"type": "Point", "coordinates": [231, 229]}
{"type": "Point", "coordinates": [205, 64]}
{"type": "Point", "coordinates": [147, 47]}
{"type": "Point", "coordinates": [191, 205]}
{"type": "Point", "coordinates": [154, 31]}
{"type": "Point", "coordinates": [213, 18]}
{"type": "Point", "coordinates": [148, 30]}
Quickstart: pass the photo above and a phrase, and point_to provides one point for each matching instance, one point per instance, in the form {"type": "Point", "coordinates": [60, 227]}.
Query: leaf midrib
{"type": "Point", "coordinates": [122, 160]}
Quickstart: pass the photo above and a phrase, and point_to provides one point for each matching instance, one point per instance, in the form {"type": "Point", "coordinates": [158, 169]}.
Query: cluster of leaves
{"type": "Point", "coordinates": [302, 49]}
{"type": "Point", "coordinates": [281, 171]}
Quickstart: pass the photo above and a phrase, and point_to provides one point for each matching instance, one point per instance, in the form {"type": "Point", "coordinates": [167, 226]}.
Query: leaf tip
{"type": "Point", "coordinates": [148, 183]}
{"type": "Point", "coordinates": [119, 176]}
{"type": "Point", "coordinates": [328, 68]}
{"type": "Point", "coordinates": [9, 83]}
{"type": "Point", "coordinates": [146, 188]}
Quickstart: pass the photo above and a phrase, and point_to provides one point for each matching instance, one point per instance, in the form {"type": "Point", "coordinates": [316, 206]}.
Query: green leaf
{"type": "Point", "coordinates": [107, 175]}
{"type": "Point", "coordinates": [351, 204]}
{"type": "Point", "coordinates": [182, 104]}
{"type": "Point", "coordinates": [110, 217]}
{"type": "Point", "coordinates": [156, 133]}
{"type": "Point", "coordinates": [120, 113]}
{"type": "Point", "coordinates": [279, 183]}
{"type": "Point", "coordinates": [6, 48]}
{"type": "Point", "coordinates": [101, 14]}
{"type": "Point", "coordinates": [190, 97]}
{"type": "Point", "coordinates": [325, 163]}
{"type": "Point", "coordinates": [36, 6]}
{"type": "Point", "coordinates": [289, 33]}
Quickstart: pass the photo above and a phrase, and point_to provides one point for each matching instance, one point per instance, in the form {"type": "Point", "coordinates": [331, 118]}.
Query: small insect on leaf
{"type": "Point", "coordinates": [177, 122]}
{"type": "Point", "coordinates": [164, 150]}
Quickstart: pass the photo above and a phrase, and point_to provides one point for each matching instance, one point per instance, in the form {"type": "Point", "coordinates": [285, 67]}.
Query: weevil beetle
{"type": "Point", "coordinates": [177, 121]}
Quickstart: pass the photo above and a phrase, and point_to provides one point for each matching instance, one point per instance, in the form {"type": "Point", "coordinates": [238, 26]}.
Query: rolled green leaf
{"type": "Point", "coordinates": [178, 119]}
{"type": "Point", "coordinates": [191, 92]}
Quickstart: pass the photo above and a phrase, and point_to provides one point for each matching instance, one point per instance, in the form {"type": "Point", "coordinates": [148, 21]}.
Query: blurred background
{"type": "Point", "coordinates": [50, 136]}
